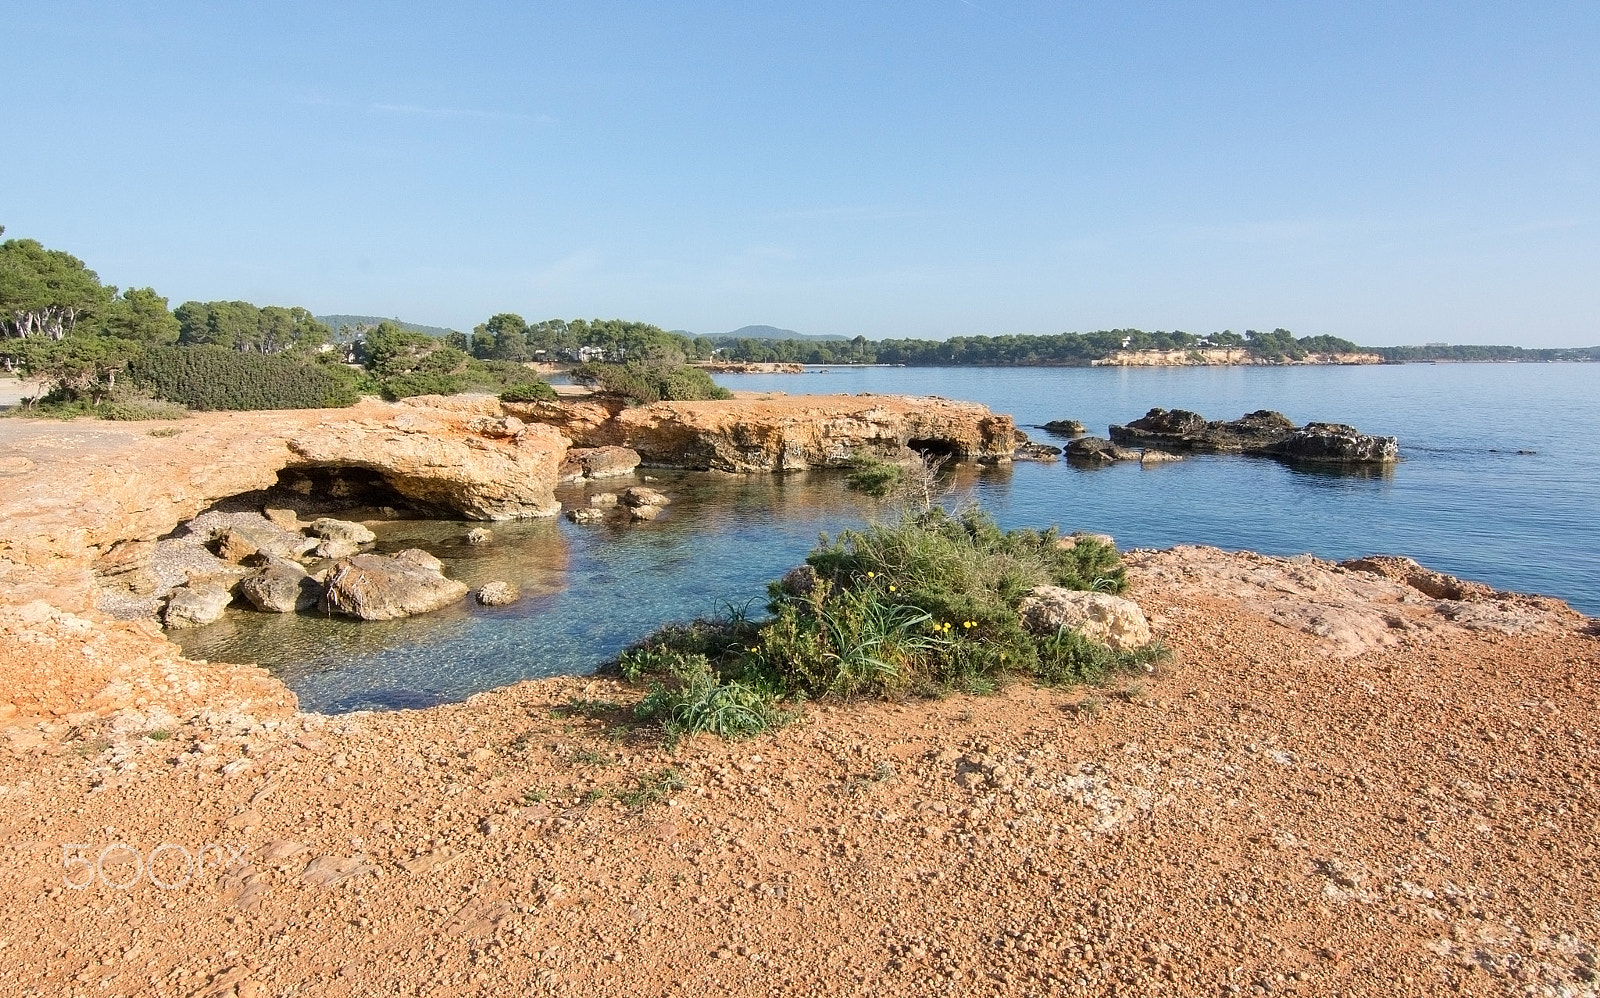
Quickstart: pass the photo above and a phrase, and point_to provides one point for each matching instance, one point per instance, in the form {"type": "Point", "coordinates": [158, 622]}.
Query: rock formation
{"type": "Point", "coordinates": [598, 462]}
{"type": "Point", "coordinates": [372, 587]}
{"type": "Point", "coordinates": [781, 434]}
{"type": "Point", "coordinates": [1110, 620]}
{"type": "Point", "coordinates": [1262, 432]}
{"type": "Point", "coordinates": [279, 586]}
{"type": "Point", "coordinates": [1065, 428]}
{"type": "Point", "coordinates": [1098, 450]}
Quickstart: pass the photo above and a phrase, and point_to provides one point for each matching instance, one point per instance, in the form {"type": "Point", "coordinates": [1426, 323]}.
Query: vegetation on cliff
{"type": "Point", "coordinates": [922, 605]}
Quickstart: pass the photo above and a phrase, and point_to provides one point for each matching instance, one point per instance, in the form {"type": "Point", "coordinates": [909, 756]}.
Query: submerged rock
{"type": "Point", "coordinates": [639, 495]}
{"type": "Point", "coordinates": [1065, 427]}
{"type": "Point", "coordinates": [1153, 456]}
{"type": "Point", "coordinates": [645, 512]}
{"type": "Point", "coordinates": [1031, 451]}
{"type": "Point", "coordinates": [586, 515]}
{"type": "Point", "coordinates": [1098, 450]}
{"type": "Point", "coordinates": [479, 535]}
{"type": "Point", "coordinates": [498, 593]}
{"type": "Point", "coordinates": [372, 587]}
{"type": "Point", "coordinates": [604, 500]}
{"type": "Point", "coordinates": [1110, 620]}
{"type": "Point", "coordinates": [196, 604]}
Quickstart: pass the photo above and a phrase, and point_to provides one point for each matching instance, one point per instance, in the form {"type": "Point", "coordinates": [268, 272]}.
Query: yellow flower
{"type": "Point", "coordinates": [891, 589]}
{"type": "Point", "coordinates": [872, 575]}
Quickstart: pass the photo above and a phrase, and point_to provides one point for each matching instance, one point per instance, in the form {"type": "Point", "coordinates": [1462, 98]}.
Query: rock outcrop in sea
{"type": "Point", "coordinates": [1263, 432]}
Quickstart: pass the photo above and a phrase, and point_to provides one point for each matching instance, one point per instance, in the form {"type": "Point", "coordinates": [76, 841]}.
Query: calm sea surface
{"type": "Point", "coordinates": [1466, 499]}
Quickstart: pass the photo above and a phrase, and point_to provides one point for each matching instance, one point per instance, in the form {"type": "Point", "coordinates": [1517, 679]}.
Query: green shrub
{"type": "Point", "coordinates": [136, 409]}
{"type": "Point", "coordinates": [926, 604]}
{"type": "Point", "coordinates": [644, 383]}
{"type": "Point", "coordinates": [537, 391]}
{"type": "Point", "coordinates": [875, 478]}
{"type": "Point", "coordinates": [216, 378]}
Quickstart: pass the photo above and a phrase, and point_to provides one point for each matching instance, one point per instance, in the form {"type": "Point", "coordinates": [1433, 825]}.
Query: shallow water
{"type": "Point", "coordinates": [1463, 500]}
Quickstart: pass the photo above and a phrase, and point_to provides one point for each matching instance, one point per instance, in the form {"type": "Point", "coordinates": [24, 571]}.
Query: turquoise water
{"type": "Point", "coordinates": [1463, 500]}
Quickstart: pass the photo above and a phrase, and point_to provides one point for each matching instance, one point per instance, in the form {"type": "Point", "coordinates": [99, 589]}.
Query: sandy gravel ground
{"type": "Point", "coordinates": [1271, 814]}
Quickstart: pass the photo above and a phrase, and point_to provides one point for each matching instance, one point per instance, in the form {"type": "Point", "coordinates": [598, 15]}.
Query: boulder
{"type": "Point", "coordinates": [195, 604]}
{"type": "Point", "coordinates": [1110, 620]}
{"type": "Point", "coordinates": [586, 515]}
{"type": "Point", "coordinates": [373, 587]}
{"type": "Point", "coordinates": [1153, 456]}
{"type": "Point", "coordinates": [645, 512]}
{"type": "Point", "coordinates": [479, 535]}
{"type": "Point", "coordinates": [343, 530]}
{"type": "Point", "coordinates": [242, 540]}
{"type": "Point", "coordinates": [1098, 450]}
{"type": "Point", "coordinates": [598, 462]}
{"type": "Point", "coordinates": [1335, 443]}
{"type": "Point", "coordinates": [498, 593]}
{"type": "Point", "coordinates": [279, 586]}
{"type": "Point", "coordinates": [284, 519]}
{"type": "Point", "coordinates": [639, 495]}
{"type": "Point", "coordinates": [1065, 428]}
{"type": "Point", "coordinates": [604, 500]}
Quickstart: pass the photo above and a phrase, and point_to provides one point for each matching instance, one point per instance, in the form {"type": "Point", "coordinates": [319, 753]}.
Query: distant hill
{"type": "Point", "coordinates": [763, 333]}
{"type": "Point", "coordinates": [333, 322]}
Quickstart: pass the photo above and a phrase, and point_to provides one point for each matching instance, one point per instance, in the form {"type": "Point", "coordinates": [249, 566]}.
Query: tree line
{"type": "Point", "coordinates": [86, 339]}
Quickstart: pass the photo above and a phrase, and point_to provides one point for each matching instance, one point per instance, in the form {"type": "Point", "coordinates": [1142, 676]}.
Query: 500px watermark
{"type": "Point", "coordinates": [121, 866]}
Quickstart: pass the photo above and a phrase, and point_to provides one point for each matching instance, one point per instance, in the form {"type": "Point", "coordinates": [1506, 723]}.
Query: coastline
{"type": "Point", "coordinates": [1256, 778]}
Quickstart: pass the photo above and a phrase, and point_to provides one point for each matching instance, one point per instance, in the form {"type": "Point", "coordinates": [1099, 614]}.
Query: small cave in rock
{"type": "Point", "coordinates": [933, 447]}
{"type": "Point", "coordinates": [354, 493]}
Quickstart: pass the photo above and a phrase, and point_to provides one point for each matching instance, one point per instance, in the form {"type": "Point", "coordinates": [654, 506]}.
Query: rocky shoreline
{"type": "Point", "coordinates": [1363, 778]}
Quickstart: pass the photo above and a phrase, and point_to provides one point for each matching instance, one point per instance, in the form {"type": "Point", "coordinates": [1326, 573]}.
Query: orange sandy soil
{"type": "Point", "coordinates": [1260, 817]}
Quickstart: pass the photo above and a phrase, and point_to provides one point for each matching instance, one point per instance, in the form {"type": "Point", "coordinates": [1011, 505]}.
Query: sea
{"type": "Point", "coordinates": [1499, 482]}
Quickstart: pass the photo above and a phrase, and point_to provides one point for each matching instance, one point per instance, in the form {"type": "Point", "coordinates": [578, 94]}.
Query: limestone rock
{"type": "Point", "coordinates": [1153, 456]}
{"type": "Point", "coordinates": [639, 495]}
{"type": "Point", "coordinates": [599, 462]}
{"type": "Point", "coordinates": [645, 512]}
{"type": "Point", "coordinates": [782, 433]}
{"type": "Point", "coordinates": [279, 586]}
{"type": "Point", "coordinates": [241, 536]}
{"type": "Point", "coordinates": [603, 500]}
{"type": "Point", "coordinates": [498, 594]}
{"type": "Point", "coordinates": [421, 559]}
{"type": "Point", "coordinates": [500, 427]}
{"type": "Point", "coordinates": [586, 515]}
{"type": "Point", "coordinates": [1110, 620]}
{"type": "Point", "coordinates": [1098, 450]}
{"type": "Point", "coordinates": [479, 535]}
{"type": "Point", "coordinates": [1065, 427]}
{"type": "Point", "coordinates": [342, 530]}
{"type": "Point", "coordinates": [373, 587]}
{"type": "Point", "coordinates": [284, 519]}
{"type": "Point", "coordinates": [431, 457]}
{"type": "Point", "coordinates": [196, 604]}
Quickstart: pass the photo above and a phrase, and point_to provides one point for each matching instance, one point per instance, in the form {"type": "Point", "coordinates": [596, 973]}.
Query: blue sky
{"type": "Point", "coordinates": [1389, 173]}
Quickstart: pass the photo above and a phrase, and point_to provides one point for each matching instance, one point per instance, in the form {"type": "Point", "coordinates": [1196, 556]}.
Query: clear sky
{"type": "Point", "coordinates": [1391, 173]}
